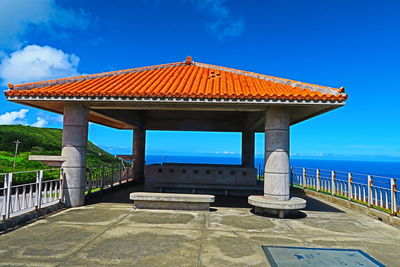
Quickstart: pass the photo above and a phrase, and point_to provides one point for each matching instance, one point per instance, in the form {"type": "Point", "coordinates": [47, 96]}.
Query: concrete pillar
{"type": "Point", "coordinates": [74, 147]}
{"type": "Point", "coordinates": [276, 174]}
{"type": "Point", "coordinates": [139, 147]}
{"type": "Point", "coordinates": [248, 149]}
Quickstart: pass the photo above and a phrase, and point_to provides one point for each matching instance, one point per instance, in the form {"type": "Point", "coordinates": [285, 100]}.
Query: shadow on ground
{"type": "Point", "coordinates": [122, 196]}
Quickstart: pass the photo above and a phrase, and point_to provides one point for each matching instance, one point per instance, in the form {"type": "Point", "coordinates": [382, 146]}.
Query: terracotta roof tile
{"type": "Point", "coordinates": [181, 80]}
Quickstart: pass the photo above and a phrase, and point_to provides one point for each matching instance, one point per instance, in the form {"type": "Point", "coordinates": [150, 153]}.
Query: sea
{"type": "Point", "coordinates": [380, 168]}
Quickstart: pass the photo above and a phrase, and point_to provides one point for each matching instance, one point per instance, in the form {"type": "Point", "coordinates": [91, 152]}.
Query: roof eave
{"type": "Point", "coordinates": [173, 100]}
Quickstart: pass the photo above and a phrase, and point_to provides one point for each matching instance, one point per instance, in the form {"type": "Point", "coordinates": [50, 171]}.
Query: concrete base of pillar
{"type": "Point", "coordinates": [74, 197]}
{"type": "Point", "coordinates": [279, 208]}
{"type": "Point", "coordinates": [273, 212]}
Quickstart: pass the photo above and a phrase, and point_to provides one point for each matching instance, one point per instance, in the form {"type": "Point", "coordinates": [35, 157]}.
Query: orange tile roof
{"type": "Point", "coordinates": [186, 79]}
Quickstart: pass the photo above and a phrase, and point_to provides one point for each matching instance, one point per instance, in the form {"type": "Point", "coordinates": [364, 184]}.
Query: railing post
{"type": "Point", "coordinates": [350, 188]}
{"type": "Point", "coordinates": [102, 177]}
{"type": "Point", "coordinates": [318, 177]}
{"type": "Point", "coordinates": [3, 206]}
{"type": "Point", "coordinates": [39, 178]}
{"type": "Point", "coordinates": [393, 196]}
{"type": "Point", "coordinates": [304, 178]}
{"type": "Point", "coordinates": [112, 175]}
{"type": "Point", "coordinates": [333, 187]}
{"type": "Point", "coordinates": [88, 180]}
{"type": "Point", "coordinates": [369, 190]}
{"type": "Point", "coordinates": [7, 200]}
{"type": "Point", "coordinates": [120, 172]}
{"type": "Point", "coordinates": [93, 183]}
{"type": "Point", "coordinates": [61, 197]}
{"type": "Point", "coordinates": [291, 176]}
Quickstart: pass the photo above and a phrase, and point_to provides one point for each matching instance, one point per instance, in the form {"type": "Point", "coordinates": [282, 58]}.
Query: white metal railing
{"type": "Point", "coordinates": [16, 199]}
{"type": "Point", "coordinates": [375, 191]}
{"type": "Point", "coordinates": [18, 194]}
{"type": "Point", "coordinates": [103, 177]}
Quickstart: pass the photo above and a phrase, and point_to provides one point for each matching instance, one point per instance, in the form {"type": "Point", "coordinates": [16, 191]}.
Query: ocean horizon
{"type": "Point", "coordinates": [372, 167]}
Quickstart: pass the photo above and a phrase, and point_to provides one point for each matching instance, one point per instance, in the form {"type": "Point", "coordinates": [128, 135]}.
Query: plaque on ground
{"type": "Point", "coordinates": [299, 256]}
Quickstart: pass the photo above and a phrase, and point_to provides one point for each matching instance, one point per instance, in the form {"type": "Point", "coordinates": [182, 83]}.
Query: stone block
{"type": "Point", "coordinates": [74, 156]}
{"type": "Point", "coordinates": [168, 205]}
{"type": "Point", "coordinates": [277, 140]}
{"type": "Point", "coordinates": [276, 185]}
{"type": "Point", "coordinates": [74, 135]}
{"type": "Point", "coordinates": [203, 175]}
{"type": "Point", "coordinates": [276, 207]}
{"type": "Point", "coordinates": [145, 200]}
{"type": "Point", "coordinates": [74, 178]}
{"type": "Point", "coordinates": [75, 114]}
{"type": "Point", "coordinates": [277, 118]}
{"type": "Point", "coordinates": [74, 197]}
{"type": "Point", "coordinates": [277, 162]}
{"type": "Point", "coordinates": [53, 161]}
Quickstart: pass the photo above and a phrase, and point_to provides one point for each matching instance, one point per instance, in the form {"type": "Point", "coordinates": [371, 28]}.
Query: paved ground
{"type": "Point", "coordinates": [111, 233]}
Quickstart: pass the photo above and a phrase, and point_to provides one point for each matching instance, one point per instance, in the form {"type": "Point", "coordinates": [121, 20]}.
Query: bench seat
{"type": "Point", "coordinates": [147, 200]}
{"type": "Point", "coordinates": [227, 190]}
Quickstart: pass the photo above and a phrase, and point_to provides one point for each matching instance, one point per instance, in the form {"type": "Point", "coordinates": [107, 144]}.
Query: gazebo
{"type": "Point", "coordinates": [182, 96]}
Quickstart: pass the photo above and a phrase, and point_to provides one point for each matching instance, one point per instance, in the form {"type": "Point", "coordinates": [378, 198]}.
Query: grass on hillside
{"type": "Point", "coordinates": [38, 141]}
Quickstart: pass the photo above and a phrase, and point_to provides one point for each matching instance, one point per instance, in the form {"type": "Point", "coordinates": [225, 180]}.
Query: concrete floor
{"type": "Point", "coordinates": [108, 232]}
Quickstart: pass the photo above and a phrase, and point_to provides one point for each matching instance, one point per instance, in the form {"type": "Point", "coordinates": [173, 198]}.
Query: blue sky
{"type": "Point", "coordinates": [335, 43]}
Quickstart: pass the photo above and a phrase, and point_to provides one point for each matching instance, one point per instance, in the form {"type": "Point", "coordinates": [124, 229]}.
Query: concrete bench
{"type": "Point", "coordinates": [145, 200]}
{"type": "Point", "coordinates": [216, 189]}
{"type": "Point", "coordinates": [280, 208]}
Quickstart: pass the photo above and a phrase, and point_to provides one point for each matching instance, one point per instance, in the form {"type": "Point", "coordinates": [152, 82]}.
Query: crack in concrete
{"type": "Point", "coordinates": [204, 232]}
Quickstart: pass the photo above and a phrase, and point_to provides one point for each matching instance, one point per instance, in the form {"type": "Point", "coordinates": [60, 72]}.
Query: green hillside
{"type": "Point", "coordinates": [38, 141]}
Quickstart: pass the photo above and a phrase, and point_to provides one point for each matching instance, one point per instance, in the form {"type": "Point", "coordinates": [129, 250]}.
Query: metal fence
{"type": "Point", "coordinates": [16, 199]}
{"type": "Point", "coordinates": [19, 196]}
{"type": "Point", "coordinates": [103, 177]}
{"type": "Point", "coordinates": [375, 191]}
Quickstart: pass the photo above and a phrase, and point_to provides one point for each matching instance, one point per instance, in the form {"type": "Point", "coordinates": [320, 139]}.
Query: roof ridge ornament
{"type": "Point", "coordinates": [189, 60]}
{"type": "Point", "coordinates": [10, 86]}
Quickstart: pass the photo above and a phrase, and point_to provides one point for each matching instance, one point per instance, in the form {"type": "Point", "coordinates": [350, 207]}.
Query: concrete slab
{"type": "Point", "coordinates": [227, 219]}
{"type": "Point", "coordinates": [227, 248]}
{"type": "Point", "coordinates": [90, 215]}
{"type": "Point", "coordinates": [162, 219]}
{"type": "Point", "coordinates": [111, 233]}
{"type": "Point", "coordinates": [141, 247]}
{"type": "Point", "coordinates": [45, 242]}
{"type": "Point", "coordinates": [328, 227]}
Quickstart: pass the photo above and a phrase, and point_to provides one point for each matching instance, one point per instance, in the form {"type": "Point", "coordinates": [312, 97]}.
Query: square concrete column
{"type": "Point", "coordinates": [248, 149]}
{"type": "Point", "coordinates": [139, 148]}
{"type": "Point", "coordinates": [74, 147]}
{"type": "Point", "coordinates": [276, 172]}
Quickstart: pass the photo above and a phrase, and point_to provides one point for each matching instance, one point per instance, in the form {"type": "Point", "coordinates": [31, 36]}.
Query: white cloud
{"type": "Point", "coordinates": [224, 24]}
{"type": "Point", "coordinates": [20, 117]}
{"type": "Point", "coordinates": [13, 117]}
{"type": "Point", "coordinates": [17, 17]}
{"type": "Point", "coordinates": [225, 28]}
{"type": "Point", "coordinates": [40, 122]}
{"type": "Point", "coordinates": [36, 63]}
